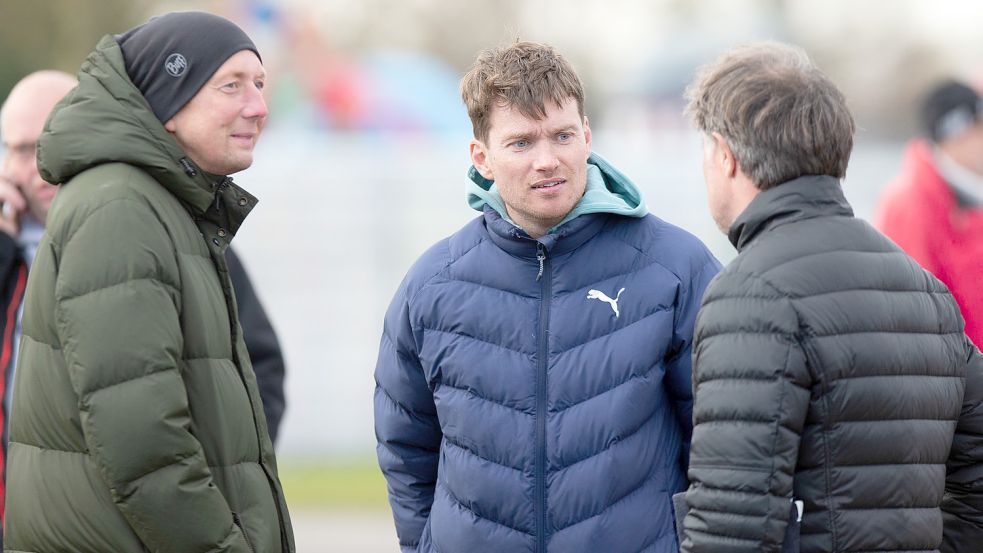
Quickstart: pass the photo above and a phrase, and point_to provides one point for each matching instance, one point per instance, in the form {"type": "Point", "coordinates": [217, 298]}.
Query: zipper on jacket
{"type": "Point", "coordinates": [189, 169]}
{"type": "Point", "coordinates": [218, 190]}
{"type": "Point", "coordinates": [541, 397]}
{"type": "Point", "coordinates": [238, 522]}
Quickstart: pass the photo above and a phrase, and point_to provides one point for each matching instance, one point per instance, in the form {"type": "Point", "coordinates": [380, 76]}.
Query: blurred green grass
{"type": "Point", "coordinates": [348, 484]}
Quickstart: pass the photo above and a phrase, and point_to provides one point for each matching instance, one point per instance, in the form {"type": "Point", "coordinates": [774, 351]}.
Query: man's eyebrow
{"type": "Point", "coordinates": [238, 75]}
{"type": "Point", "coordinates": [572, 129]}
{"type": "Point", "coordinates": [515, 136]}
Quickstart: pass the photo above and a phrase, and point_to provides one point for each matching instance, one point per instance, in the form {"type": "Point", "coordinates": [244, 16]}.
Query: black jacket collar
{"type": "Point", "coordinates": [796, 200]}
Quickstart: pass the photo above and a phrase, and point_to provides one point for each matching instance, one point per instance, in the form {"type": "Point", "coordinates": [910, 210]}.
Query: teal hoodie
{"type": "Point", "coordinates": [608, 191]}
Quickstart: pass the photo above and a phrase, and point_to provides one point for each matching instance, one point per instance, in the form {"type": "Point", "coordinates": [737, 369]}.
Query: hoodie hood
{"type": "Point", "coordinates": [608, 191]}
{"type": "Point", "coordinates": [106, 119]}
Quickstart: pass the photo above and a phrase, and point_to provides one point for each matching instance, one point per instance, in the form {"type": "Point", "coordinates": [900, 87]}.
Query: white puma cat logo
{"type": "Point", "coordinates": [598, 295]}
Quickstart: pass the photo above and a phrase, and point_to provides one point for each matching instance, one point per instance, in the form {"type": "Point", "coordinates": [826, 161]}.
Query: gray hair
{"type": "Point", "coordinates": [781, 116]}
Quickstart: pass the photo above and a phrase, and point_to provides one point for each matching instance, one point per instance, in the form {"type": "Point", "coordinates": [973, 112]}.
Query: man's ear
{"type": "Point", "coordinates": [169, 126]}
{"type": "Point", "coordinates": [724, 156]}
{"type": "Point", "coordinates": [479, 157]}
{"type": "Point", "coordinates": [587, 134]}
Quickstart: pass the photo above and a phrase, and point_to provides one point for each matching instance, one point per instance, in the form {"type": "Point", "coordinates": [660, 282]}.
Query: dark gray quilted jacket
{"type": "Point", "coordinates": [830, 367]}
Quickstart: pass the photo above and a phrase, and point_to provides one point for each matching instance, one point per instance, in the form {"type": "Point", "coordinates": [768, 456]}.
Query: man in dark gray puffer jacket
{"type": "Point", "coordinates": [828, 367]}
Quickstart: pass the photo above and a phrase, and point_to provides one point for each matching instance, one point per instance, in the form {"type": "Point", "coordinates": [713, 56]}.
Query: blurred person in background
{"type": "Point", "coordinates": [934, 208]}
{"type": "Point", "coordinates": [828, 366]}
{"type": "Point", "coordinates": [136, 422]}
{"type": "Point", "coordinates": [265, 353]}
{"type": "Point", "coordinates": [25, 198]}
{"type": "Point", "coordinates": [540, 356]}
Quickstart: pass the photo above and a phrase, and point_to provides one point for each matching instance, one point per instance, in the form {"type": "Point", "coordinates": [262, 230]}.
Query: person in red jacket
{"type": "Point", "coordinates": [934, 208]}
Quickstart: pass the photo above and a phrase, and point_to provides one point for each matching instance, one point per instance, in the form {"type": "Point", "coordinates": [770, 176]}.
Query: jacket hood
{"type": "Point", "coordinates": [106, 119]}
{"type": "Point", "coordinates": [795, 200]}
{"type": "Point", "coordinates": [608, 191]}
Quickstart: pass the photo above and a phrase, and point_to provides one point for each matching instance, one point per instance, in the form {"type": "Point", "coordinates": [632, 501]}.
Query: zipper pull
{"type": "Point", "coordinates": [218, 191]}
{"type": "Point", "coordinates": [541, 257]}
{"type": "Point", "coordinates": [189, 169]}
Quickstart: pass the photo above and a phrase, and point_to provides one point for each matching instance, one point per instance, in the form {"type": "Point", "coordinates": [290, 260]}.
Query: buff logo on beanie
{"type": "Point", "coordinates": [176, 64]}
{"type": "Point", "coordinates": [172, 56]}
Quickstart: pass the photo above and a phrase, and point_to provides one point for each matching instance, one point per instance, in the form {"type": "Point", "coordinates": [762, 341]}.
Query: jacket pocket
{"type": "Point", "coordinates": [238, 522]}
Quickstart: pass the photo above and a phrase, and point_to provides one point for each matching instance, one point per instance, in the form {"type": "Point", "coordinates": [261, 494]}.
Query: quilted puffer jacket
{"type": "Point", "coordinates": [535, 395]}
{"type": "Point", "coordinates": [829, 367]}
{"type": "Point", "coordinates": [136, 425]}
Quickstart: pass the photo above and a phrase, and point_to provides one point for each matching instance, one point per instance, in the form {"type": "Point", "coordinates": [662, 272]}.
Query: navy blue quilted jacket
{"type": "Point", "coordinates": [535, 395]}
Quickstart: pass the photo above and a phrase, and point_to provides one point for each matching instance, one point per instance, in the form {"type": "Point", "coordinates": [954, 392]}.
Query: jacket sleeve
{"type": "Point", "coordinates": [406, 426]}
{"type": "Point", "coordinates": [117, 319]}
{"type": "Point", "coordinates": [752, 388]}
{"type": "Point", "coordinates": [679, 374]}
{"type": "Point", "coordinates": [962, 505]}
{"type": "Point", "coordinates": [262, 344]}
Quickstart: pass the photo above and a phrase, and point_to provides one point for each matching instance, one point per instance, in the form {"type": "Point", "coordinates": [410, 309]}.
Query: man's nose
{"type": "Point", "coordinates": [546, 159]}
{"type": "Point", "coordinates": [255, 104]}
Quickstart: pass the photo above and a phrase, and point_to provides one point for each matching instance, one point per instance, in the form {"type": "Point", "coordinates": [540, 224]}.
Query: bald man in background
{"type": "Point", "coordinates": [25, 199]}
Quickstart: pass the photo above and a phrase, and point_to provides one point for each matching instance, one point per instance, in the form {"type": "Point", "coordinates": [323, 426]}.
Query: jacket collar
{"type": "Point", "coordinates": [796, 200]}
{"type": "Point", "coordinates": [566, 238]}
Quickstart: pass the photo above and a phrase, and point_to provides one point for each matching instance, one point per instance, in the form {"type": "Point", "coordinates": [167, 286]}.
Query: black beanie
{"type": "Point", "coordinates": [170, 57]}
{"type": "Point", "coordinates": [949, 109]}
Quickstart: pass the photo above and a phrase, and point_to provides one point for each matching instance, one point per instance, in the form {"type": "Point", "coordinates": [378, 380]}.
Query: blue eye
{"type": "Point", "coordinates": [564, 136]}
{"type": "Point", "coordinates": [520, 143]}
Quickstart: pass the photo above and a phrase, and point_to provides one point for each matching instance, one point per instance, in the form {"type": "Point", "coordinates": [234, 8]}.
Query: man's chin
{"type": "Point", "coordinates": [723, 221]}
{"type": "Point", "coordinates": [242, 162]}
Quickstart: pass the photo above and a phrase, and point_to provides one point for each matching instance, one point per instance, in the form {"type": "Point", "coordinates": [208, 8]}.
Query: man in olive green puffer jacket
{"type": "Point", "coordinates": [136, 424]}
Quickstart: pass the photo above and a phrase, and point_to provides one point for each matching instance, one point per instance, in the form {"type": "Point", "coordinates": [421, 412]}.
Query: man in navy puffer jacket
{"type": "Point", "coordinates": [533, 388]}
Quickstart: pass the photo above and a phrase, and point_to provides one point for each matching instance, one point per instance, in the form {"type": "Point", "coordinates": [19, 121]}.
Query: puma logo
{"type": "Point", "coordinates": [598, 295]}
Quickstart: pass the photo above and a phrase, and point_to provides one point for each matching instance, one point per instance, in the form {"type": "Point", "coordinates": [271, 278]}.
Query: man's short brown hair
{"type": "Point", "coordinates": [781, 116]}
{"type": "Point", "coordinates": [524, 75]}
